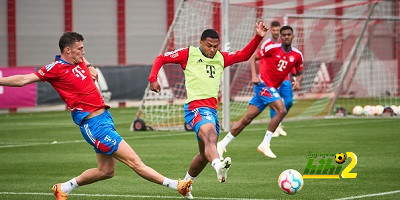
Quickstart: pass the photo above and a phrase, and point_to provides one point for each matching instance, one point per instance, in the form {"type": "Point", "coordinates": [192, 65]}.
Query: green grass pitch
{"type": "Point", "coordinates": [31, 162]}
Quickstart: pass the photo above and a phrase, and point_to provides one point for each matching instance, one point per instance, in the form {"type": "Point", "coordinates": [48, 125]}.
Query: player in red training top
{"type": "Point", "coordinates": [73, 80]}
{"type": "Point", "coordinates": [203, 67]}
{"type": "Point", "coordinates": [285, 89]}
{"type": "Point", "coordinates": [279, 60]}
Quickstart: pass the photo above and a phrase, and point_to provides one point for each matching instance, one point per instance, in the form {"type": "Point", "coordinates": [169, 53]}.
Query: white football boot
{"type": "Point", "coordinates": [222, 172]}
{"type": "Point", "coordinates": [281, 131]}
{"type": "Point", "coordinates": [276, 133]}
{"type": "Point", "coordinates": [266, 150]}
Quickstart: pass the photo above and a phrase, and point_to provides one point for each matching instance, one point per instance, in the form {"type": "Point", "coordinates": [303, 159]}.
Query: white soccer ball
{"type": "Point", "coordinates": [368, 110]}
{"type": "Point", "coordinates": [395, 109]}
{"type": "Point", "coordinates": [290, 181]}
{"type": "Point", "coordinates": [357, 110]}
{"type": "Point", "coordinates": [379, 110]}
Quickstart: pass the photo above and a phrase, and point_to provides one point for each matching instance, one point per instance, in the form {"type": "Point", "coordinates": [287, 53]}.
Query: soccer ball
{"type": "Point", "coordinates": [290, 181]}
{"type": "Point", "coordinates": [379, 109]}
{"type": "Point", "coordinates": [395, 109]}
{"type": "Point", "coordinates": [340, 158]}
{"type": "Point", "coordinates": [368, 110]}
{"type": "Point", "coordinates": [357, 110]}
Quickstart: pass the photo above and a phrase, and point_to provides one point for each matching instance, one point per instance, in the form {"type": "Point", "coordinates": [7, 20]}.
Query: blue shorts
{"type": "Point", "coordinates": [263, 96]}
{"type": "Point", "coordinates": [199, 116]}
{"type": "Point", "coordinates": [100, 132]}
{"type": "Point", "coordinates": [286, 91]}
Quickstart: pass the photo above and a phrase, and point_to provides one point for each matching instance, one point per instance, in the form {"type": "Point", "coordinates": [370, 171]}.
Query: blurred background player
{"type": "Point", "coordinates": [203, 68]}
{"type": "Point", "coordinates": [277, 60]}
{"type": "Point", "coordinates": [70, 76]}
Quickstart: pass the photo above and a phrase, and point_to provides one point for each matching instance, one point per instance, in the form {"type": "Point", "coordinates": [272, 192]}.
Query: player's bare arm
{"type": "Point", "coordinates": [252, 61]}
{"type": "Point", "coordinates": [297, 79]}
{"type": "Point", "coordinates": [19, 80]}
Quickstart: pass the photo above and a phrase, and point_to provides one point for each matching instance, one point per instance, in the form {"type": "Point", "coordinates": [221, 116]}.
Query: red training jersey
{"type": "Point", "coordinates": [74, 84]}
{"type": "Point", "coordinates": [278, 64]}
{"type": "Point", "coordinates": [180, 56]}
{"type": "Point", "coordinates": [261, 62]}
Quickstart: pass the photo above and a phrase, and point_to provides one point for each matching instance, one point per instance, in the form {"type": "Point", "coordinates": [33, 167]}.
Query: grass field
{"type": "Point", "coordinates": [31, 162]}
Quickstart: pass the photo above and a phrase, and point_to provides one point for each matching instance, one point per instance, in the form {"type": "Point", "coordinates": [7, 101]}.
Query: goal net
{"type": "Point", "coordinates": [350, 50]}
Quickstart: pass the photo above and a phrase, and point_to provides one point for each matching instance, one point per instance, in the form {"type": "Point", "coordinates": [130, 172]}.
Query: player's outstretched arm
{"type": "Point", "coordinates": [19, 80]}
{"type": "Point", "coordinates": [178, 56]}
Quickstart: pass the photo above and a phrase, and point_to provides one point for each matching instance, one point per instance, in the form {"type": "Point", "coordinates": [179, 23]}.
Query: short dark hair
{"type": "Point", "coordinates": [69, 39]}
{"type": "Point", "coordinates": [275, 24]}
{"type": "Point", "coordinates": [286, 28]}
{"type": "Point", "coordinates": [211, 33]}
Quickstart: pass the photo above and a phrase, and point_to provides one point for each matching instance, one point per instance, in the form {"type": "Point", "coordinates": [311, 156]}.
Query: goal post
{"type": "Point", "coordinates": [325, 32]}
{"type": "Point", "coordinates": [356, 62]}
{"type": "Point", "coordinates": [347, 65]}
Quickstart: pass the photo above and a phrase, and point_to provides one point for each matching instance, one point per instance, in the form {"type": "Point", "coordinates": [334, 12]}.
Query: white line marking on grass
{"type": "Point", "coordinates": [369, 195]}
{"type": "Point", "coordinates": [83, 141]}
{"type": "Point", "coordinates": [118, 195]}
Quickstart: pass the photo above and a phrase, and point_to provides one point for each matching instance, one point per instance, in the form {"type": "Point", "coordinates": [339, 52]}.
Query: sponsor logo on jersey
{"type": "Point", "coordinates": [79, 72]}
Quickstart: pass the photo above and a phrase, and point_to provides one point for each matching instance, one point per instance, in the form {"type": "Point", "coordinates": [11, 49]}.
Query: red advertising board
{"type": "Point", "coordinates": [14, 97]}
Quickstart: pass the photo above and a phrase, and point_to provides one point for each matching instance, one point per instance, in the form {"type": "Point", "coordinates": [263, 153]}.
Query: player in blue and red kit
{"type": "Point", "coordinates": [70, 75]}
{"type": "Point", "coordinates": [279, 59]}
{"type": "Point", "coordinates": [203, 67]}
{"type": "Point", "coordinates": [285, 89]}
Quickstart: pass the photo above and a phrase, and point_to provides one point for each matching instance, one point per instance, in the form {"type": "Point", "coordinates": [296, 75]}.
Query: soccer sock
{"type": "Point", "coordinates": [189, 176]}
{"type": "Point", "coordinates": [267, 138]}
{"type": "Point", "coordinates": [216, 163]}
{"type": "Point", "coordinates": [226, 140]}
{"type": "Point", "coordinates": [68, 186]}
{"type": "Point", "coordinates": [173, 184]}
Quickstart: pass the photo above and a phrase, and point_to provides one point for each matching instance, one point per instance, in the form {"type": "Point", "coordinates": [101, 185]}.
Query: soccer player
{"type": "Point", "coordinates": [69, 75]}
{"type": "Point", "coordinates": [203, 67]}
{"type": "Point", "coordinates": [285, 90]}
{"type": "Point", "coordinates": [279, 60]}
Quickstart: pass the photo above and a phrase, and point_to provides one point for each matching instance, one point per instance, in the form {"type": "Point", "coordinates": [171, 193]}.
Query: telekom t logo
{"type": "Point", "coordinates": [211, 70]}
{"type": "Point", "coordinates": [1, 87]}
{"type": "Point", "coordinates": [282, 65]}
{"type": "Point", "coordinates": [78, 71]}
